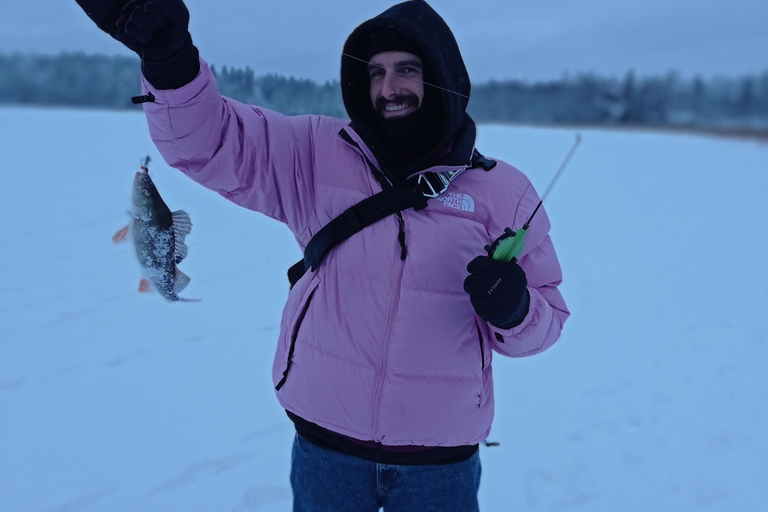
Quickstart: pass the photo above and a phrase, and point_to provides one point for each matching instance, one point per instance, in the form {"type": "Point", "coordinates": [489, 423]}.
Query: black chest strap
{"type": "Point", "coordinates": [411, 193]}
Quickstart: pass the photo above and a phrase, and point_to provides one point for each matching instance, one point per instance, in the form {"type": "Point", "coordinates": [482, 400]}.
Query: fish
{"type": "Point", "coordinates": [158, 238]}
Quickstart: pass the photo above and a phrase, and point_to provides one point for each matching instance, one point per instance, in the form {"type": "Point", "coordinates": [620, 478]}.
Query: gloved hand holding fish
{"type": "Point", "coordinates": [158, 238]}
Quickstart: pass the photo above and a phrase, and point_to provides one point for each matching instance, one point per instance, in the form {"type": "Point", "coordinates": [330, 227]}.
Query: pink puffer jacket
{"type": "Point", "coordinates": [379, 348]}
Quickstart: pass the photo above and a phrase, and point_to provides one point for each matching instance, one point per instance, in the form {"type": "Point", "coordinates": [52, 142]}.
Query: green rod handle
{"type": "Point", "coordinates": [511, 248]}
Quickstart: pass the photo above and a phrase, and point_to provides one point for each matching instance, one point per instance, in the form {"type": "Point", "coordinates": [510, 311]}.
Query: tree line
{"type": "Point", "coordinates": [722, 103]}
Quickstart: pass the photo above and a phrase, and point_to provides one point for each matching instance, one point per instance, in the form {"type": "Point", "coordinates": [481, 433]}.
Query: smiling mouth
{"type": "Point", "coordinates": [398, 106]}
{"type": "Point", "coordinates": [397, 109]}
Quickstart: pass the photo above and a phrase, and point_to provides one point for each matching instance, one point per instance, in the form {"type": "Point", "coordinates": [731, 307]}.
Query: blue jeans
{"type": "Point", "coordinates": [327, 481]}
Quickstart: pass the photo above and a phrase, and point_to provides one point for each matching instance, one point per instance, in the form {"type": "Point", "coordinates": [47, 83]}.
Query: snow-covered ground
{"type": "Point", "coordinates": [654, 399]}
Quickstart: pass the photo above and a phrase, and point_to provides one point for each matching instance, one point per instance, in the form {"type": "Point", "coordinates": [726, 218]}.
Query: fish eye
{"type": "Point", "coordinates": [146, 192]}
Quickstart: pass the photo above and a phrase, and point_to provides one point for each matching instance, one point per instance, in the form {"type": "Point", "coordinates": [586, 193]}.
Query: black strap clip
{"type": "Point", "coordinates": [479, 160]}
{"type": "Point", "coordinates": [147, 98]}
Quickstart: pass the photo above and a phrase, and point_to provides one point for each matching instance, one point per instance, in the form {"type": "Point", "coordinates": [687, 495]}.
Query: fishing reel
{"type": "Point", "coordinates": [509, 245]}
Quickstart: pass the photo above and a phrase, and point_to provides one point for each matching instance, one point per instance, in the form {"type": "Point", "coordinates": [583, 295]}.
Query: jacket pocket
{"type": "Point", "coordinates": [482, 346]}
{"type": "Point", "coordinates": [299, 319]}
{"type": "Point", "coordinates": [485, 363]}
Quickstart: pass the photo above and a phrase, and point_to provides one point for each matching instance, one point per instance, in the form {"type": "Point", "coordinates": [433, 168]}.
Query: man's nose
{"type": "Point", "coordinates": [389, 84]}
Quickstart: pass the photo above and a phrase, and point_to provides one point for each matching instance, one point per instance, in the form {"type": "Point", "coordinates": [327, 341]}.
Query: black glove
{"type": "Point", "coordinates": [498, 291]}
{"type": "Point", "coordinates": [157, 30]}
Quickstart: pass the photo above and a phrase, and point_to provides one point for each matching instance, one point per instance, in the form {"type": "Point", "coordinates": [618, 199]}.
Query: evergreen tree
{"type": "Point", "coordinates": [97, 81]}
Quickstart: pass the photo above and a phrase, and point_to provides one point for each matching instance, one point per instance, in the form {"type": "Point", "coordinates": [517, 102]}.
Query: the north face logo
{"type": "Point", "coordinates": [458, 201]}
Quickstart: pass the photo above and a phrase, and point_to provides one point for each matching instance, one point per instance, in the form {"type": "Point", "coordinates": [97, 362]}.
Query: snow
{"type": "Point", "coordinates": [111, 400]}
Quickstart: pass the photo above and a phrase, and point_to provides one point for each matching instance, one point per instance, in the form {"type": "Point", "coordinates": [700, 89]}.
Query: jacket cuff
{"type": "Point", "coordinates": [519, 315]}
{"type": "Point", "coordinates": [176, 71]}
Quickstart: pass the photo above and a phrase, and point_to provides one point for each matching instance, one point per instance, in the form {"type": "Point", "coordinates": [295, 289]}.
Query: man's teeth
{"type": "Point", "coordinates": [393, 108]}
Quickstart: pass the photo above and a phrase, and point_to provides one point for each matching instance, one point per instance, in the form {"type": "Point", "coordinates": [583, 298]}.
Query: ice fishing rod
{"type": "Point", "coordinates": [510, 245]}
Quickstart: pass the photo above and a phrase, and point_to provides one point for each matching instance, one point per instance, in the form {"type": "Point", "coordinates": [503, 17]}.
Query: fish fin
{"type": "Point", "coordinates": [180, 252]}
{"type": "Point", "coordinates": [182, 280]}
{"type": "Point", "coordinates": [144, 286]}
{"type": "Point", "coordinates": [182, 224]}
{"type": "Point", "coordinates": [121, 235]}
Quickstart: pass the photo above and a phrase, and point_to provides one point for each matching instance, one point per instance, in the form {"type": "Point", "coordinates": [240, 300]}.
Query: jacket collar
{"type": "Point", "coordinates": [458, 156]}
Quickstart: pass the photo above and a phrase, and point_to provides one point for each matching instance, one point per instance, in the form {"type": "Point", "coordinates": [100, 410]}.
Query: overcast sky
{"type": "Point", "coordinates": [499, 38]}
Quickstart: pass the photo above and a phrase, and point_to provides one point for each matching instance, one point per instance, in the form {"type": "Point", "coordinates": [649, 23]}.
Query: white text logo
{"type": "Point", "coordinates": [458, 201]}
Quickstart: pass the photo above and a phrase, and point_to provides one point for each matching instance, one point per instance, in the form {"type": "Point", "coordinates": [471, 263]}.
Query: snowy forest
{"type": "Point", "coordinates": [713, 103]}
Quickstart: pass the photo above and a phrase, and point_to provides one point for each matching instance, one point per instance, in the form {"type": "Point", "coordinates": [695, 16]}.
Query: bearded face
{"type": "Point", "coordinates": [397, 86]}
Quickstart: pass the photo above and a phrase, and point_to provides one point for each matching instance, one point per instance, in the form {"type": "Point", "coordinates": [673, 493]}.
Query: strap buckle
{"type": "Point", "coordinates": [434, 184]}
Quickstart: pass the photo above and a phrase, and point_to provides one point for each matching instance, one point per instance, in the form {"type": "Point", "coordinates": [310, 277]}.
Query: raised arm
{"type": "Point", "coordinates": [254, 157]}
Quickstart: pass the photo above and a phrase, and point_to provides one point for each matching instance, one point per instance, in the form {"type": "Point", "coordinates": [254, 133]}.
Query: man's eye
{"type": "Point", "coordinates": [409, 71]}
{"type": "Point", "coordinates": [377, 73]}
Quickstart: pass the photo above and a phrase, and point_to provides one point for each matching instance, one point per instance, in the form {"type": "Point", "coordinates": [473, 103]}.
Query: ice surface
{"type": "Point", "coordinates": [111, 400]}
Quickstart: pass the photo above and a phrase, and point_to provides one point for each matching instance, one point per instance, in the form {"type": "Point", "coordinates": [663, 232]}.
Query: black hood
{"type": "Point", "coordinates": [427, 35]}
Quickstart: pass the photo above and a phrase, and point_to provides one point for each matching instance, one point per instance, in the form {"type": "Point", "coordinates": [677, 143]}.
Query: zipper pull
{"type": "Point", "coordinates": [401, 235]}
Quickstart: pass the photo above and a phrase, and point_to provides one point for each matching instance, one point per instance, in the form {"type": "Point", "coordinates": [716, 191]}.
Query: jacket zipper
{"type": "Point", "coordinates": [482, 346]}
{"type": "Point", "coordinates": [394, 300]}
{"type": "Point", "coordinates": [294, 336]}
{"type": "Point", "coordinates": [401, 235]}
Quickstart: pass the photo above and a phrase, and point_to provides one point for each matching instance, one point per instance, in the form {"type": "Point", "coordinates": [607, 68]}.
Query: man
{"type": "Point", "coordinates": [384, 357]}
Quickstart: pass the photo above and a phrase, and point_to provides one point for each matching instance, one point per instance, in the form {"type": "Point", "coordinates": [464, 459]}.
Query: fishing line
{"type": "Point", "coordinates": [511, 243]}
{"type": "Point", "coordinates": [402, 75]}
{"type": "Point", "coordinates": [560, 171]}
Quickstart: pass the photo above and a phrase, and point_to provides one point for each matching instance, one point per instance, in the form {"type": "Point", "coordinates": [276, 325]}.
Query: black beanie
{"type": "Point", "coordinates": [385, 40]}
